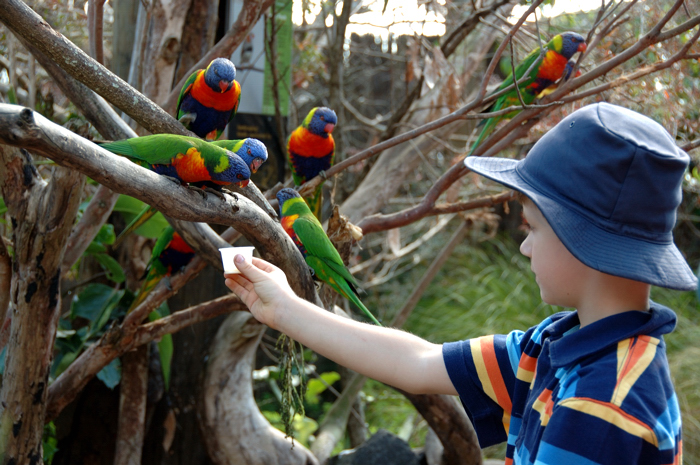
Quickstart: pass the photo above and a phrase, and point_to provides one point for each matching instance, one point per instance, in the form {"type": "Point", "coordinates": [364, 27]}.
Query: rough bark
{"type": "Point", "coordinates": [233, 428]}
{"type": "Point", "coordinates": [198, 36]}
{"type": "Point", "coordinates": [132, 407]}
{"type": "Point", "coordinates": [42, 214]}
{"type": "Point", "coordinates": [165, 32]}
{"type": "Point", "coordinates": [450, 422]}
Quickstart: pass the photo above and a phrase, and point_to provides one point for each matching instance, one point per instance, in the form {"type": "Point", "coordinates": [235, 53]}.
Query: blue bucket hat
{"type": "Point", "coordinates": [608, 181]}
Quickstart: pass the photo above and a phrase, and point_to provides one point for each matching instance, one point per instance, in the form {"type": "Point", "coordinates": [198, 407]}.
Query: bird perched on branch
{"type": "Point", "coordinates": [209, 99]}
{"type": "Point", "coordinates": [170, 254]}
{"type": "Point", "coordinates": [544, 71]}
{"type": "Point", "coordinates": [252, 151]}
{"type": "Point", "coordinates": [188, 160]}
{"type": "Point", "coordinates": [318, 251]}
{"type": "Point", "coordinates": [311, 151]}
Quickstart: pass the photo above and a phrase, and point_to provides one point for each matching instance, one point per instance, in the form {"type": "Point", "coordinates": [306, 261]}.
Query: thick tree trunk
{"type": "Point", "coordinates": [42, 214]}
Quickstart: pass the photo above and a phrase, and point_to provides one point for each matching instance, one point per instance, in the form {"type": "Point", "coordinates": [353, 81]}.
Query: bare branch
{"type": "Point", "coordinates": [95, 26]}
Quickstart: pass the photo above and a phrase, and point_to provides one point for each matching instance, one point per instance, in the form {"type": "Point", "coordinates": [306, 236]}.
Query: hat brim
{"type": "Point", "coordinates": [660, 264]}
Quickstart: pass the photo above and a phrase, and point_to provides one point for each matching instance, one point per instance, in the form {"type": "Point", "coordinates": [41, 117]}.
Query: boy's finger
{"type": "Point", "coordinates": [264, 265]}
{"type": "Point", "coordinates": [254, 273]}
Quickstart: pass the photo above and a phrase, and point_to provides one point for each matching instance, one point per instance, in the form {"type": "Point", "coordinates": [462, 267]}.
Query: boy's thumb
{"type": "Point", "coordinates": [245, 267]}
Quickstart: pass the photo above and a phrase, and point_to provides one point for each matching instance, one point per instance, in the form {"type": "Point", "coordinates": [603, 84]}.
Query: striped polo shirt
{"type": "Point", "coordinates": [561, 394]}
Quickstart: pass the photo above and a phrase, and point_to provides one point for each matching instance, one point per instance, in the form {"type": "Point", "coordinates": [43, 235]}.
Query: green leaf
{"type": "Point", "coordinates": [3, 353]}
{"type": "Point", "coordinates": [112, 267]}
{"type": "Point", "coordinates": [49, 442]}
{"type": "Point", "coordinates": [165, 345]}
{"type": "Point", "coordinates": [95, 248]}
{"type": "Point", "coordinates": [111, 374]}
{"type": "Point", "coordinates": [315, 386]}
{"type": "Point", "coordinates": [105, 235]}
{"type": "Point", "coordinates": [130, 207]}
{"type": "Point", "coordinates": [94, 302]}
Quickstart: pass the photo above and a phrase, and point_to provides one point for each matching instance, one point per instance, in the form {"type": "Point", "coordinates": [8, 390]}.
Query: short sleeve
{"type": "Point", "coordinates": [483, 373]}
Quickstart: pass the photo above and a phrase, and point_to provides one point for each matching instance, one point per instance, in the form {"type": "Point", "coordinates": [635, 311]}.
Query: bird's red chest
{"type": "Point", "coordinates": [216, 100]}
{"type": "Point", "coordinates": [288, 224]}
{"type": "Point", "coordinates": [190, 166]}
{"type": "Point", "coordinates": [178, 244]}
{"type": "Point", "coordinates": [552, 67]}
{"type": "Point", "coordinates": [304, 143]}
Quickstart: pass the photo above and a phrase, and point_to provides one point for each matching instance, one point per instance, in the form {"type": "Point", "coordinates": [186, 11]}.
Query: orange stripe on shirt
{"type": "Point", "coordinates": [613, 415]}
{"type": "Point", "coordinates": [634, 356]}
{"type": "Point", "coordinates": [494, 373]}
{"type": "Point", "coordinates": [526, 368]}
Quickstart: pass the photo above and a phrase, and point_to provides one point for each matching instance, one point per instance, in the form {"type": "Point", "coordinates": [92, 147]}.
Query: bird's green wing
{"type": "Point", "coordinates": [185, 89]}
{"type": "Point", "coordinates": [523, 66]}
{"type": "Point", "coordinates": [311, 234]}
{"type": "Point", "coordinates": [157, 149]}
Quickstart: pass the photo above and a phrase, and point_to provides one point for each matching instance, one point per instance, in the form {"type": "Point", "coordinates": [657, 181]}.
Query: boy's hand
{"type": "Point", "coordinates": [262, 287]}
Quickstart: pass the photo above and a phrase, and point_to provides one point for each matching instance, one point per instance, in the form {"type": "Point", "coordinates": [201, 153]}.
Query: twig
{"type": "Point", "coordinates": [95, 26]}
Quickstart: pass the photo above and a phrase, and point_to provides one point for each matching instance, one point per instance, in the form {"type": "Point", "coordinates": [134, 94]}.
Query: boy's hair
{"type": "Point", "coordinates": [608, 181]}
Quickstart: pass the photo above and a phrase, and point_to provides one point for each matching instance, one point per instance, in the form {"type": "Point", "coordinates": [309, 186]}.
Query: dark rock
{"type": "Point", "coordinates": [383, 448]}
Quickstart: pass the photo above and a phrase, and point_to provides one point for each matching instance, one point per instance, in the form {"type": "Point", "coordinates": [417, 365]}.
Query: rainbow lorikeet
{"type": "Point", "coordinates": [318, 251]}
{"type": "Point", "coordinates": [252, 151]}
{"type": "Point", "coordinates": [186, 159]}
{"type": "Point", "coordinates": [209, 99]}
{"type": "Point", "coordinates": [311, 150]}
{"type": "Point", "coordinates": [170, 254]}
{"type": "Point", "coordinates": [567, 74]}
{"type": "Point", "coordinates": [545, 72]}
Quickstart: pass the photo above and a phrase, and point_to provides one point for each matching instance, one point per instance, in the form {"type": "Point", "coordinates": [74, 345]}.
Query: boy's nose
{"type": "Point", "coordinates": [525, 248]}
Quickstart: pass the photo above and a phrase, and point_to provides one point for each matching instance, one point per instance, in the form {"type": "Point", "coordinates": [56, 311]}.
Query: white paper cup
{"type": "Point", "coordinates": [228, 253]}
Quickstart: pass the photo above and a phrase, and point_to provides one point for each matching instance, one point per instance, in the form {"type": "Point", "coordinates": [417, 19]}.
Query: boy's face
{"type": "Point", "coordinates": [559, 275]}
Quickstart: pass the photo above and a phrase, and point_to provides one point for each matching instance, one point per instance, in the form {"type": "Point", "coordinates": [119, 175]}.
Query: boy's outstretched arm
{"type": "Point", "coordinates": [388, 355]}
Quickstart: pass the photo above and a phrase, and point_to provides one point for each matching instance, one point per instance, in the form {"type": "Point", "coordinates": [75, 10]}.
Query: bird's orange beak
{"type": "Point", "coordinates": [243, 183]}
{"type": "Point", "coordinates": [255, 165]}
{"type": "Point", "coordinates": [582, 47]}
{"type": "Point", "coordinates": [225, 86]}
{"type": "Point", "coordinates": [329, 128]}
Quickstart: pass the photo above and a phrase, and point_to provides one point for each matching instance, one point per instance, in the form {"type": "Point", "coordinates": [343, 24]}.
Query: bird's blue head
{"type": "Point", "coordinates": [253, 152]}
{"type": "Point", "coordinates": [220, 75]}
{"type": "Point", "coordinates": [285, 194]}
{"type": "Point", "coordinates": [568, 43]}
{"type": "Point", "coordinates": [320, 121]}
{"type": "Point", "coordinates": [237, 171]}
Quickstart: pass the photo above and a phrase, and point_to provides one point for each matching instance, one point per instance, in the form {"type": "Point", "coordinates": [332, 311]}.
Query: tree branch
{"type": "Point", "coordinates": [25, 23]}
{"type": "Point", "coordinates": [115, 342]}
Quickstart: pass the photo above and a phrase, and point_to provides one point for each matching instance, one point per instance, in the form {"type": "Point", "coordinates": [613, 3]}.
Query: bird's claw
{"type": "Point", "coordinates": [199, 190]}
{"type": "Point", "coordinates": [322, 174]}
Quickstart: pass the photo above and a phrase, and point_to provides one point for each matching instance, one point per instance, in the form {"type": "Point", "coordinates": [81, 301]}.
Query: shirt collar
{"type": "Point", "coordinates": [567, 347]}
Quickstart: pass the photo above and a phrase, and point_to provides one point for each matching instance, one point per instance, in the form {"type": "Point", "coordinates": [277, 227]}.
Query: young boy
{"type": "Point", "coordinates": [590, 386]}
